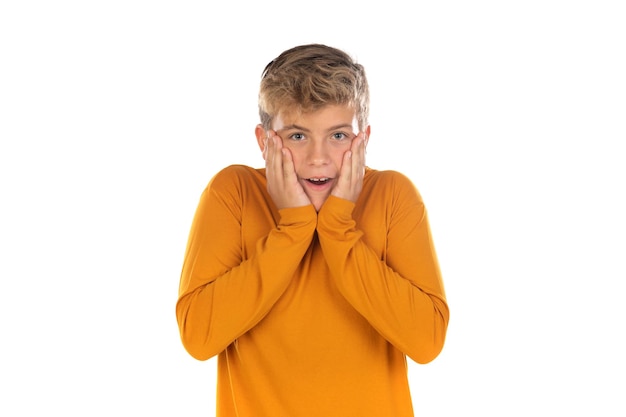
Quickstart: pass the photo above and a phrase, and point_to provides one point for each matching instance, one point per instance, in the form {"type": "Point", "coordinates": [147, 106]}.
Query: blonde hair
{"type": "Point", "coordinates": [308, 77]}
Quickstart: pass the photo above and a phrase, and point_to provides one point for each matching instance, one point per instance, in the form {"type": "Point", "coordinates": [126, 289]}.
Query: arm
{"type": "Point", "coordinates": [399, 292]}
{"type": "Point", "coordinates": [221, 294]}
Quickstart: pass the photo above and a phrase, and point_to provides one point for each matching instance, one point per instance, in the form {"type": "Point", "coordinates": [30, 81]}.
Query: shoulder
{"type": "Point", "coordinates": [233, 185]}
{"type": "Point", "coordinates": [236, 176]}
{"type": "Point", "coordinates": [238, 171]}
{"type": "Point", "coordinates": [233, 182]}
{"type": "Point", "coordinates": [391, 181]}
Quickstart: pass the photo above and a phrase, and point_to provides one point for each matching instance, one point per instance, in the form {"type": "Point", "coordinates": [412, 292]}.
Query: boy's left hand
{"type": "Point", "coordinates": [350, 181]}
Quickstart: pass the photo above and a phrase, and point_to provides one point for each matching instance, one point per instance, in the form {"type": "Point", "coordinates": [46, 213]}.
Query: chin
{"type": "Point", "coordinates": [318, 204]}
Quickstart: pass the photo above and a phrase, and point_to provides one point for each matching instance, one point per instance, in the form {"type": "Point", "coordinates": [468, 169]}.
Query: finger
{"type": "Point", "coordinates": [355, 165]}
{"type": "Point", "coordinates": [268, 152]}
{"type": "Point", "coordinates": [289, 170]}
{"type": "Point", "coordinates": [275, 157]}
{"type": "Point", "coordinates": [358, 158]}
{"type": "Point", "coordinates": [345, 176]}
{"type": "Point", "coordinates": [264, 153]}
{"type": "Point", "coordinates": [273, 161]}
{"type": "Point", "coordinates": [355, 157]}
{"type": "Point", "coordinates": [287, 166]}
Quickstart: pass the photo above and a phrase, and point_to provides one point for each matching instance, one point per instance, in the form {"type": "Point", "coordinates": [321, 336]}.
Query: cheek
{"type": "Point", "coordinates": [337, 156]}
{"type": "Point", "coordinates": [297, 157]}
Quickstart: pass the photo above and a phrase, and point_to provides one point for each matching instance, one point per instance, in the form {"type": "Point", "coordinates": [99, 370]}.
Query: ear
{"type": "Point", "coordinates": [261, 135]}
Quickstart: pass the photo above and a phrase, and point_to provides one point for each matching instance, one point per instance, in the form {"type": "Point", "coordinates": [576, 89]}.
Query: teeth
{"type": "Point", "coordinates": [318, 179]}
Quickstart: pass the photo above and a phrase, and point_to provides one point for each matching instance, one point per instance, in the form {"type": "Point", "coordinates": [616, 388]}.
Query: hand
{"type": "Point", "coordinates": [282, 181]}
{"type": "Point", "coordinates": [350, 181]}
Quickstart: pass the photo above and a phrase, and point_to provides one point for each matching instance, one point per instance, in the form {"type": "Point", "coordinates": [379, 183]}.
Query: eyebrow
{"type": "Point", "coordinates": [336, 127]}
{"type": "Point", "coordinates": [294, 127]}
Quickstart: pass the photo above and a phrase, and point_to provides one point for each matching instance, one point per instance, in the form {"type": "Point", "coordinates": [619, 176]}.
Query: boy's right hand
{"type": "Point", "coordinates": [282, 180]}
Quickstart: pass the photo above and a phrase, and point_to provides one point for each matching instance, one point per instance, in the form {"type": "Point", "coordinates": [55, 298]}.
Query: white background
{"type": "Point", "coordinates": [509, 117]}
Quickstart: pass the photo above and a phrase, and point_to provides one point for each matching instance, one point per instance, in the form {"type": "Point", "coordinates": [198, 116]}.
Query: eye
{"type": "Point", "coordinates": [339, 136]}
{"type": "Point", "coordinates": [297, 137]}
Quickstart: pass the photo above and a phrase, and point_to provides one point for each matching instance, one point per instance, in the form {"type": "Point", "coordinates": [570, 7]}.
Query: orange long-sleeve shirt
{"type": "Point", "coordinates": [311, 313]}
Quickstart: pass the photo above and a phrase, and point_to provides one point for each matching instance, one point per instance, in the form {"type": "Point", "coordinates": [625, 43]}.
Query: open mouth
{"type": "Point", "coordinates": [318, 181]}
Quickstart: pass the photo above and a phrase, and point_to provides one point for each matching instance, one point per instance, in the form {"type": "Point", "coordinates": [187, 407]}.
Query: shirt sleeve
{"type": "Point", "coordinates": [401, 294]}
{"type": "Point", "coordinates": [221, 294]}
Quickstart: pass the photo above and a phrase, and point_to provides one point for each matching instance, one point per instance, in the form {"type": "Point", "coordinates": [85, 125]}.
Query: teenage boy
{"type": "Point", "coordinates": [314, 277]}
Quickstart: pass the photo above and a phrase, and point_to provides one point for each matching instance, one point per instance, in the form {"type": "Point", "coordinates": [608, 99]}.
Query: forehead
{"type": "Point", "coordinates": [324, 117]}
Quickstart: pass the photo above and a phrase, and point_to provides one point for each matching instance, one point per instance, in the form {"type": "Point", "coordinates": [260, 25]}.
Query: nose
{"type": "Point", "coordinates": [318, 153]}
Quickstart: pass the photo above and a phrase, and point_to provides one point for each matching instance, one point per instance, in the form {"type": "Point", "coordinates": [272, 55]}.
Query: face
{"type": "Point", "coordinates": [318, 141]}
